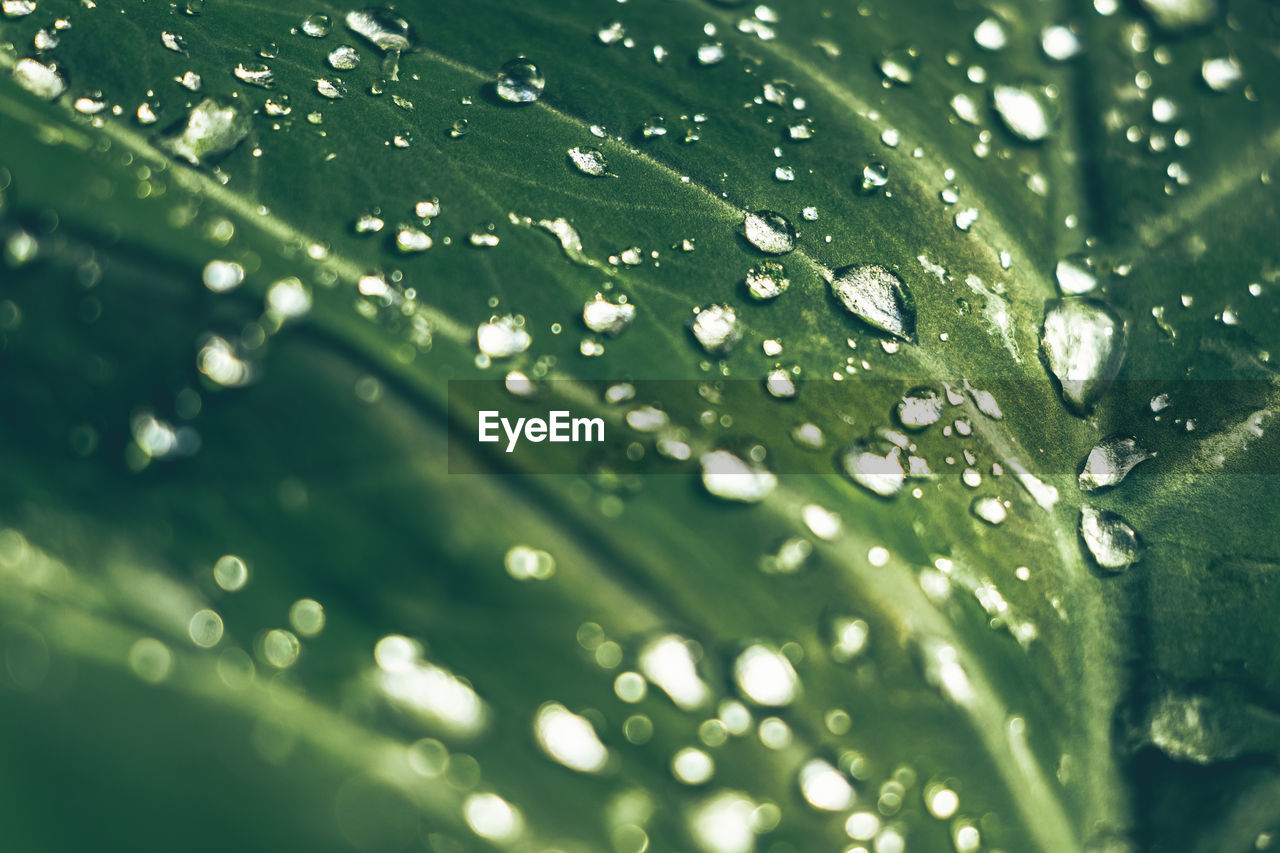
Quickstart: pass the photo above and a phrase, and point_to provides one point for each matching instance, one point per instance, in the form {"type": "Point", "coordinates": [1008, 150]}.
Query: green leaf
{"type": "Point", "coordinates": [248, 326]}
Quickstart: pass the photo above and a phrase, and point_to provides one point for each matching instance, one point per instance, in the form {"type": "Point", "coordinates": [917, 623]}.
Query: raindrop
{"type": "Point", "coordinates": [710, 53]}
{"type": "Point", "coordinates": [569, 739]}
{"type": "Point", "coordinates": [382, 27]}
{"type": "Point", "coordinates": [669, 663]}
{"type": "Point", "coordinates": [502, 337]}
{"type": "Point", "coordinates": [1180, 14]}
{"type": "Point", "coordinates": [848, 638]}
{"type": "Point", "coordinates": [209, 132]}
{"type": "Point", "coordinates": [344, 58]}
{"type": "Point", "coordinates": [221, 276]}
{"type": "Point", "coordinates": [18, 8]}
{"type": "Point", "coordinates": [717, 328]}
{"type": "Point", "coordinates": [611, 33]}
{"type": "Point", "coordinates": [39, 79]}
{"type": "Point", "coordinates": [765, 676]}
{"type": "Point", "coordinates": [1026, 110]}
{"type": "Point", "coordinates": [800, 131]}
{"type": "Point", "coordinates": [1112, 540]}
{"type": "Point", "coordinates": [316, 25]}
{"type": "Point", "coordinates": [727, 477]}
{"type": "Point", "coordinates": [919, 408]}
{"type": "Point", "coordinates": [769, 232]}
{"type": "Point", "coordinates": [412, 240]}
{"type": "Point", "coordinates": [768, 281]}
{"type": "Point", "coordinates": [824, 787]}
{"type": "Point", "coordinates": [1221, 74]}
{"type": "Point", "coordinates": [874, 176]}
{"type": "Point", "coordinates": [590, 161]}
{"type": "Point", "coordinates": [492, 817]}
{"type": "Point", "coordinates": [483, 239]}
{"type": "Point", "coordinates": [1110, 461]}
{"type": "Point", "coordinates": [990, 34]}
{"type": "Point", "coordinates": [899, 65]}
{"type": "Point", "coordinates": [173, 42]}
{"type": "Point", "coordinates": [605, 317]}
{"type": "Point", "coordinates": [520, 82]}
{"type": "Point", "coordinates": [878, 297]}
{"type": "Point", "coordinates": [333, 89]}
{"type": "Point", "coordinates": [1075, 275]}
{"type": "Point", "coordinates": [989, 509]}
{"type": "Point", "coordinates": [965, 218]}
{"type": "Point", "coordinates": [1083, 341]}
{"type": "Point", "coordinates": [877, 469]}
{"type": "Point", "coordinates": [692, 766]}
{"type": "Point", "coordinates": [255, 74]}
{"type": "Point", "coordinates": [1059, 43]}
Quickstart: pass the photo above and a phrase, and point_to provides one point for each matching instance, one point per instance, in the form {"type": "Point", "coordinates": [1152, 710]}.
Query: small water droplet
{"type": "Point", "coordinates": [1221, 74]}
{"type": "Point", "coordinates": [382, 27]}
{"type": "Point", "coordinates": [316, 25]}
{"type": "Point", "coordinates": [255, 74]}
{"type": "Point", "coordinates": [1111, 540]}
{"type": "Point", "coordinates": [18, 8]}
{"type": "Point", "coordinates": [331, 88]}
{"type": "Point", "coordinates": [1075, 275]}
{"type": "Point", "coordinates": [344, 58]}
{"type": "Point", "coordinates": [990, 34]}
{"type": "Point", "coordinates": [1026, 110]}
{"type": "Point", "coordinates": [767, 281]}
{"type": "Point", "coordinates": [717, 328]}
{"type": "Point", "coordinates": [605, 317]}
{"type": "Point", "coordinates": [877, 469]}
{"type": "Point", "coordinates": [589, 161]}
{"type": "Point", "coordinates": [173, 42]}
{"type": "Point", "coordinates": [569, 739]}
{"type": "Point", "coordinates": [989, 509]}
{"type": "Point", "coordinates": [411, 240]}
{"type": "Point", "coordinates": [611, 33]}
{"type": "Point", "coordinates": [769, 232]}
{"type": "Point", "coordinates": [919, 408]}
{"type": "Point", "coordinates": [1110, 461]}
{"type": "Point", "coordinates": [1059, 43]}
{"type": "Point", "coordinates": [502, 337]}
{"type": "Point", "coordinates": [1084, 344]}
{"type": "Point", "coordinates": [209, 132]}
{"type": "Point", "coordinates": [899, 65]}
{"type": "Point", "coordinates": [824, 787]}
{"type": "Point", "coordinates": [765, 676]}
{"type": "Point", "coordinates": [520, 82]}
{"type": "Point", "coordinates": [710, 53]}
{"type": "Point", "coordinates": [878, 297]}
{"type": "Point", "coordinates": [43, 81]}
{"type": "Point", "coordinates": [727, 477]}
{"type": "Point", "coordinates": [874, 176]}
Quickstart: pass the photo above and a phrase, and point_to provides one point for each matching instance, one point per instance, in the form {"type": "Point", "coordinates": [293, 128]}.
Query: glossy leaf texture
{"type": "Point", "coordinates": [250, 599]}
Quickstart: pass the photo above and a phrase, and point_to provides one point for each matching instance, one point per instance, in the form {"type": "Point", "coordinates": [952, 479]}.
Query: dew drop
{"type": "Point", "coordinates": [520, 82]}
{"type": "Point", "coordinates": [767, 281]}
{"type": "Point", "coordinates": [919, 408]}
{"type": "Point", "coordinates": [669, 663]}
{"type": "Point", "coordinates": [716, 328]}
{"type": "Point", "coordinates": [899, 65]}
{"type": "Point", "coordinates": [39, 79]}
{"type": "Point", "coordinates": [569, 739]}
{"type": "Point", "coordinates": [18, 8]}
{"type": "Point", "coordinates": [877, 469]}
{"type": "Point", "coordinates": [692, 766]}
{"type": "Point", "coordinates": [1084, 345]}
{"type": "Point", "coordinates": [316, 25]}
{"type": "Point", "coordinates": [878, 297]}
{"type": "Point", "coordinates": [209, 132]}
{"type": "Point", "coordinates": [1025, 110]}
{"type": "Point", "coordinates": [331, 88]}
{"type": "Point", "coordinates": [1111, 540]}
{"type": "Point", "coordinates": [874, 176]}
{"type": "Point", "coordinates": [344, 58]}
{"type": "Point", "coordinates": [1221, 74]}
{"type": "Point", "coordinates": [765, 676]}
{"type": "Point", "coordinates": [769, 232]}
{"type": "Point", "coordinates": [729, 478]}
{"type": "Point", "coordinates": [1110, 461]}
{"type": "Point", "coordinates": [382, 27]}
{"type": "Point", "coordinates": [502, 337]}
{"type": "Point", "coordinates": [605, 317]}
{"type": "Point", "coordinates": [589, 161]}
{"type": "Point", "coordinates": [990, 35]}
{"type": "Point", "coordinates": [824, 787]}
{"type": "Point", "coordinates": [1059, 43]}
{"type": "Point", "coordinates": [1075, 275]}
{"type": "Point", "coordinates": [255, 74]}
{"type": "Point", "coordinates": [524, 563]}
{"type": "Point", "coordinates": [710, 53]}
{"type": "Point", "coordinates": [989, 509]}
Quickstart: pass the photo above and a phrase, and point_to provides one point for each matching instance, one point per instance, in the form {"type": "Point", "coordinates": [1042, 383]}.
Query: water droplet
{"type": "Point", "coordinates": [1026, 110]}
{"type": "Point", "coordinates": [590, 161]}
{"type": "Point", "coordinates": [18, 8]}
{"type": "Point", "coordinates": [765, 676]}
{"type": "Point", "coordinates": [862, 826]}
{"type": "Point", "coordinates": [344, 58]}
{"type": "Point", "coordinates": [524, 563]}
{"type": "Point", "coordinates": [899, 65]}
{"type": "Point", "coordinates": [221, 276]}
{"type": "Point", "coordinates": [611, 33]}
{"type": "Point", "coordinates": [824, 787]}
{"type": "Point", "coordinates": [717, 328]}
{"type": "Point", "coordinates": [382, 27]}
{"type": "Point", "coordinates": [874, 176]}
{"type": "Point", "coordinates": [483, 239]}
{"type": "Point", "coordinates": [502, 337]}
{"type": "Point", "coordinates": [989, 509]}
{"type": "Point", "coordinates": [230, 573]}
{"type": "Point", "coordinates": [653, 126]}
{"type": "Point", "coordinates": [1084, 344]}
{"type": "Point", "coordinates": [848, 638]}
{"type": "Point", "coordinates": [331, 88]}
{"type": "Point", "coordinates": [1075, 275]}
{"type": "Point", "coordinates": [1203, 728]}
{"type": "Point", "coordinates": [492, 817]}
{"type": "Point", "coordinates": [520, 82]}
{"type": "Point", "coordinates": [768, 281]}
{"type": "Point", "coordinates": [965, 218]}
{"type": "Point", "coordinates": [1180, 14]}
{"type": "Point", "coordinates": [605, 317]}
{"type": "Point", "coordinates": [255, 74]}
{"type": "Point", "coordinates": [769, 232]}
{"type": "Point", "coordinates": [877, 469]}
{"type": "Point", "coordinates": [878, 297]}
{"type": "Point", "coordinates": [173, 42]}
{"type": "Point", "coordinates": [569, 739]}
{"type": "Point", "coordinates": [411, 240]}
{"type": "Point", "coordinates": [1059, 43]}
{"type": "Point", "coordinates": [710, 53]}
{"type": "Point", "coordinates": [669, 663]}
{"type": "Point", "coordinates": [800, 131]}
{"type": "Point", "coordinates": [1112, 540]}
{"type": "Point", "coordinates": [727, 477]}
{"type": "Point", "coordinates": [723, 823]}
{"type": "Point", "coordinates": [1110, 462]}
{"type": "Point", "coordinates": [692, 766]}
{"type": "Point", "coordinates": [919, 408]}
{"type": "Point", "coordinates": [1221, 74]}
{"type": "Point", "coordinates": [90, 103]}
{"type": "Point", "coordinates": [990, 34]}
{"type": "Point", "coordinates": [209, 132]}
{"type": "Point", "coordinates": [39, 79]}
{"type": "Point", "coordinates": [316, 25]}
{"type": "Point", "coordinates": [784, 173]}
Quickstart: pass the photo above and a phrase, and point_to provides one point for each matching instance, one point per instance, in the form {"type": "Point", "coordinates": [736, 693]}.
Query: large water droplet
{"type": "Point", "coordinates": [18, 8]}
{"type": "Point", "coordinates": [1110, 462]}
{"type": "Point", "coordinates": [39, 79]}
{"type": "Point", "coordinates": [316, 25]}
{"type": "Point", "coordinates": [824, 787]}
{"type": "Point", "coordinates": [919, 408]}
{"type": "Point", "coordinates": [899, 65]}
{"type": "Point", "coordinates": [669, 663]}
{"type": "Point", "coordinates": [382, 27]}
{"type": "Point", "coordinates": [877, 296]}
{"type": "Point", "coordinates": [502, 337]}
{"type": "Point", "coordinates": [1180, 14]}
{"type": "Point", "coordinates": [877, 469]}
{"type": "Point", "coordinates": [990, 34]}
{"type": "Point", "coordinates": [730, 478]}
{"type": "Point", "coordinates": [1112, 540]}
{"type": "Point", "coordinates": [1059, 43]}
{"type": "Point", "coordinates": [209, 132]}
{"type": "Point", "coordinates": [1026, 110]}
{"type": "Point", "coordinates": [569, 739]}
{"type": "Point", "coordinates": [520, 82]}
{"type": "Point", "coordinates": [344, 58]}
{"type": "Point", "coordinates": [769, 232]}
{"type": "Point", "coordinates": [1075, 275]}
{"type": "Point", "coordinates": [717, 328]}
{"type": "Point", "coordinates": [765, 676]}
{"type": "Point", "coordinates": [605, 317]}
{"type": "Point", "coordinates": [1084, 344]}
{"type": "Point", "coordinates": [1221, 73]}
